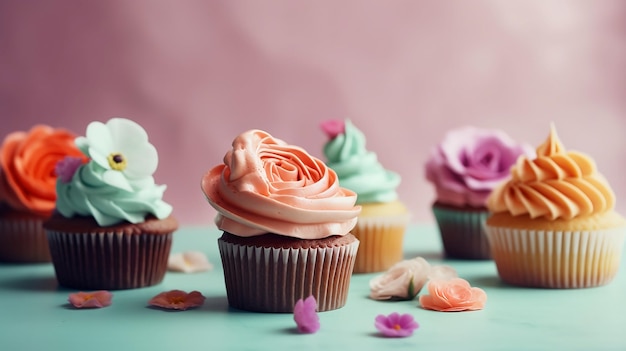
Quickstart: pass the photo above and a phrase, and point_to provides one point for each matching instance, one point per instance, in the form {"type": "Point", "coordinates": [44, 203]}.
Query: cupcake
{"type": "Point", "coordinates": [27, 190]}
{"type": "Point", "coordinates": [111, 229]}
{"type": "Point", "coordinates": [553, 224]}
{"type": "Point", "coordinates": [286, 226]}
{"type": "Point", "coordinates": [381, 225]}
{"type": "Point", "coordinates": [464, 168]}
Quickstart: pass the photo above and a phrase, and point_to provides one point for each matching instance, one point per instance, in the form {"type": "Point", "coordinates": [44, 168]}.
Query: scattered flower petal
{"type": "Point", "coordinates": [189, 262]}
{"type": "Point", "coordinates": [95, 299]}
{"type": "Point", "coordinates": [405, 279]}
{"type": "Point", "coordinates": [453, 295]}
{"type": "Point", "coordinates": [177, 300]}
{"type": "Point", "coordinates": [396, 325]}
{"type": "Point", "coordinates": [305, 316]}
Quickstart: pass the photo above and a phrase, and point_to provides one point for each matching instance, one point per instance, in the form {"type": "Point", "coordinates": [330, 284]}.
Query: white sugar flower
{"type": "Point", "coordinates": [121, 147]}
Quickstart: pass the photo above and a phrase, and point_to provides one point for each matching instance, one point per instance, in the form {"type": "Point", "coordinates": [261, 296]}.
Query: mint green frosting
{"type": "Point", "coordinates": [358, 169]}
{"type": "Point", "coordinates": [88, 195]}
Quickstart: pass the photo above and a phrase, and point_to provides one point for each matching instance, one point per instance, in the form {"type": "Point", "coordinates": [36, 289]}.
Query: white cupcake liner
{"type": "Point", "coordinates": [23, 240]}
{"type": "Point", "coordinates": [109, 260]}
{"type": "Point", "coordinates": [555, 259]}
{"type": "Point", "coordinates": [462, 233]}
{"type": "Point", "coordinates": [381, 240]}
{"type": "Point", "coordinates": [273, 279]}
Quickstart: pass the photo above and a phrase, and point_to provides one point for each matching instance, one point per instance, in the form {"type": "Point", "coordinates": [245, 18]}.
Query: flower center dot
{"type": "Point", "coordinates": [397, 327]}
{"type": "Point", "coordinates": [117, 161]}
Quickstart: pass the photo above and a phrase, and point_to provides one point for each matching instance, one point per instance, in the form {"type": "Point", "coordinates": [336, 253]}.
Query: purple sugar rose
{"type": "Point", "coordinates": [470, 162]}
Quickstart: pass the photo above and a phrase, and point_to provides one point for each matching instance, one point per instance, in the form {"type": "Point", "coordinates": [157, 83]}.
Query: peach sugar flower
{"type": "Point", "coordinates": [177, 300]}
{"type": "Point", "coordinates": [95, 299]}
{"type": "Point", "coordinates": [453, 295]}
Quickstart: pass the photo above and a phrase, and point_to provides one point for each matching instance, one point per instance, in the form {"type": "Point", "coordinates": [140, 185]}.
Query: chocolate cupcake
{"type": "Point", "coordinates": [464, 168]}
{"type": "Point", "coordinates": [286, 224]}
{"type": "Point", "coordinates": [28, 190]}
{"type": "Point", "coordinates": [110, 230]}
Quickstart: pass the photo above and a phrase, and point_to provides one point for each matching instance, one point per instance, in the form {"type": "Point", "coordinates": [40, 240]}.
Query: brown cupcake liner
{"type": "Point", "coordinates": [381, 243]}
{"type": "Point", "coordinates": [554, 259]}
{"type": "Point", "coordinates": [23, 239]}
{"type": "Point", "coordinates": [264, 279]}
{"type": "Point", "coordinates": [462, 233]}
{"type": "Point", "coordinates": [109, 260]}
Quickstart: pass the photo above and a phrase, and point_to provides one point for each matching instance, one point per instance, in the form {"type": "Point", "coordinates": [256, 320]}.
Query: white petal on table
{"type": "Point", "coordinates": [189, 262]}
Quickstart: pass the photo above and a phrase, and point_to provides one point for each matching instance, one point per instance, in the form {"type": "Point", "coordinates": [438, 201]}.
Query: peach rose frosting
{"type": "Point", "coordinates": [268, 186]}
{"type": "Point", "coordinates": [557, 184]}
{"type": "Point", "coordinates": [27, 167]}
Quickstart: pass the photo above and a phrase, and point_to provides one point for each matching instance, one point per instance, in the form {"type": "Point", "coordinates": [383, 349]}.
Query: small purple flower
{"type": "Point", "coordinates": [66, 168]}
{"type": "Point", "coordinates": [305, 316]}
{"type": "Point", "coordinates": [396, 325]}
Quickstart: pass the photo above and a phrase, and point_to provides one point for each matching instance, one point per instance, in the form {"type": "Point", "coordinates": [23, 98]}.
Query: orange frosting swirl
{"type": "Point", "coordinates": [268, 186]}
{"type": "Point", "coordinates": [557, 184]}
{"type": "Point", "coordinates": [27, 167]}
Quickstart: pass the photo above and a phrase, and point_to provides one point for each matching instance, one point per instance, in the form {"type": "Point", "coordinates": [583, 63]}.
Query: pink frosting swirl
{"type": "Point", "coordinates": [268, 186]}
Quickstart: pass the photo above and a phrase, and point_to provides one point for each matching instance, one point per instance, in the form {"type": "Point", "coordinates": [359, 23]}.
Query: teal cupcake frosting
{"type": "Point", "coordinates": [357, 168]}
{"type": "Point", "coordinates": [87, 194]}
{"type": "Point", "coordinates": [116, 183]}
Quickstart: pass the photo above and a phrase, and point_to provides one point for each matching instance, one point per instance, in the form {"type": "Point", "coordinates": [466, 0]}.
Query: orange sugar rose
{"type": "Point", "coordinates": [453, 295]}
{"type": "Point", "coordinates": [27, 167]}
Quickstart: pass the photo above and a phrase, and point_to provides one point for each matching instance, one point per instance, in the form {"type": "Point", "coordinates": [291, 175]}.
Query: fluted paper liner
{"type": "Point", "coordinates": [462, 233]}
{"type": "Point", "coordinates": [273, 279]}
{"type": "Point", "coordinates": [554, 259]}
{"type": "Point", "coordinates": [381, 242]}
{"type": "Point", "coordinates": [110, 260]}
{"type": "Point", "coordinates": [23, 240]}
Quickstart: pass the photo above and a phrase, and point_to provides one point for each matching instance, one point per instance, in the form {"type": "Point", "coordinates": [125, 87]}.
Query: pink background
{"type": "Point", "coordinates": [197, 73]}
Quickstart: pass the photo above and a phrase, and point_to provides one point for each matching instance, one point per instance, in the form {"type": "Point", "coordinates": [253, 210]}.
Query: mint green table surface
{"type": "Point", "coordinates": [34, 313]}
